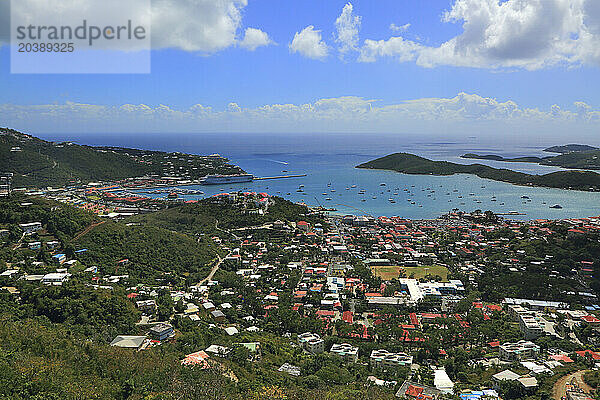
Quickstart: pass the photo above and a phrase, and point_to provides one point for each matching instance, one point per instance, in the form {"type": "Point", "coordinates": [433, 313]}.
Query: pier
{"type": "Point", "coordinates": [280, 177]}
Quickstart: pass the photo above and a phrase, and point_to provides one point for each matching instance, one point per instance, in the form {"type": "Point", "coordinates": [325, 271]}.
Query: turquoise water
{"type": "Point", "coordinates": [329, 162]}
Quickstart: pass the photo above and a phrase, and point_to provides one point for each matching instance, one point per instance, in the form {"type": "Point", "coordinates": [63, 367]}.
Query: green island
{"type": "Point", "coordinates": [570, 148]}
{"type": "Point", "coordinates": [39, 163]}
{"type": "Point", "coordinates": [572, 156]}
{"type": "Point", "coordinates": [415, 165]}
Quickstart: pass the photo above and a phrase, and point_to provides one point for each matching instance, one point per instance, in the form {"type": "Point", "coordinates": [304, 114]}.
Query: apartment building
{"type": "Point", "coordinates": [345, 351]}
{"type": "Point", "coordinates": [521, 350]}
{"type": "Point", "coordinates": [311, 342]}
{"type": "Point", "coordinates": [384, 359]}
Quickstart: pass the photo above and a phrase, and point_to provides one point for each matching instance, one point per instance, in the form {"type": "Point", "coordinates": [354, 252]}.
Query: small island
{"type": "Point", "coordinates": [411, 164]}
{"type": "Point", "coordinates": [571, 148]}
{"type": "Point", "coordinates": [494, 157]}
{"type": "Point", "coordinates": [571, 156]}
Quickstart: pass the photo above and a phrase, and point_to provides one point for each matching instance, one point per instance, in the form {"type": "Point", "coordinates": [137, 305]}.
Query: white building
{"type": "Point", "coordinates": [31, 227]}
{"type": "Point", "coordinates": [311, 342]}
{"type": "Point", "coordinates": [345, 351]}
{"type": "Point", "coordinates": [385, 359]}
{"type": "Point", "coordinates": [55, 278]}
{"type": "Point", "coordinates": [522, 350]}
{"type": "Point", "coordinates": [530, 325]}
{"type": "Point", "coordinates": [442, 381]}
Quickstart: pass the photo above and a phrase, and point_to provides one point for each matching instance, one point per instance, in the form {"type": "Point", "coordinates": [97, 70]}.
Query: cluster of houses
{"type": "Point", "coordinates": [323, 273]}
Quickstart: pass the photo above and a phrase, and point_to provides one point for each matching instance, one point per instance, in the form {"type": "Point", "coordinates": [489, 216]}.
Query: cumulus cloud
{"type": "Point", "coordinates": [202, 25]}
{"type": "Point", "coordinates": [309, 43]}
{"type": "Point", "coordinates": [347, 26]}
{"type": "Point", "coordinates": [463, 114]}
{"type": "Point", "coordinates": [400, 28]}
{"type": "Point", "coordinates": [397, 47]}
{"type": "Point", "coordinates": [255, 38]}
{"type": "Point", "coordinates": [530, 34]}
{"type": "Point", "coordinates": [205, 26]}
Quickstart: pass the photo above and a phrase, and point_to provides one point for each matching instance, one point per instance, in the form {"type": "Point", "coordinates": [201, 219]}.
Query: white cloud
{"type": "Point", "coordinates": [530, 34]}
{"type": "Point", "coordinates": [309, 43]}
{"type": "Point", "coordinates": [205, 26]}
{"type": "Point", "coordinates": [347, 26]}
{"type": "Point", "coordinates": [201, 25]}
{"type": "Point", "coordinates": [397, 47]}
{"type": "Point", "coordinates": [459, 115]}
{"type": "Point", "coordinates": [254, 38]}
{"type": "Point", "coordinates": [401, 28]}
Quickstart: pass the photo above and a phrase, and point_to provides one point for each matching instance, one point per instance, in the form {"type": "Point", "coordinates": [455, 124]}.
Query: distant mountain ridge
{"type": "Point", "coordinates": [39, 163]}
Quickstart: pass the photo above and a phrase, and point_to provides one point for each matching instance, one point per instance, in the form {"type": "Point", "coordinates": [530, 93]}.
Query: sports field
{"type": "Point", "coordinates": [433, 270]}
{"type": "Point", "coordinates": [387, 272]}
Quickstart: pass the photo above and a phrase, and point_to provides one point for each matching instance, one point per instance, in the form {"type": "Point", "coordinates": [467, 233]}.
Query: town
{"type": "Point", "coordinates": [273, 298]}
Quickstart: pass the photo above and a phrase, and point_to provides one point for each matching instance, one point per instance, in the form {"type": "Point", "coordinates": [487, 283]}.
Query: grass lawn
{"type": "Point", "coordinates": [386, 272]}
{"type": "Point", "coordinates": [422, 271]}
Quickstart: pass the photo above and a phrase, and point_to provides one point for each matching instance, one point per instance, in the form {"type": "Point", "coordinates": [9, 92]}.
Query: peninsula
{"type": "Point", "coordinates": [415, 165]}
{"type": "Point", "coordinates": [39, 163]}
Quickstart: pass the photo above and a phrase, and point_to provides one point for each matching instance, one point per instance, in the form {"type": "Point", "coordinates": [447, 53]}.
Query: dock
{"type": "Point", "coordinates": [280, 177]}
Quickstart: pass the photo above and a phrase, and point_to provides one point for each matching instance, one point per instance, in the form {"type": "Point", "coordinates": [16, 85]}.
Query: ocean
{"type": "Point", "coordinates": [333, 182]}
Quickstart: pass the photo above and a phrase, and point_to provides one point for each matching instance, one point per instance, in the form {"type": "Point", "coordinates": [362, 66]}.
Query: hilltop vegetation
{"type": "Point", "coordinates": [415, 165]}
{"type": "Point", "coordinates": [39, 163]}
{"type": "Point", "coordinates": [207, 216]}
{"type": "Point", "coordinates": [151, 251]}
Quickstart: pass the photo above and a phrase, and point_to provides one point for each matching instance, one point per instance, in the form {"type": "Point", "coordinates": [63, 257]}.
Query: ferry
{"type": "Point", "coordinates": [222, 179]}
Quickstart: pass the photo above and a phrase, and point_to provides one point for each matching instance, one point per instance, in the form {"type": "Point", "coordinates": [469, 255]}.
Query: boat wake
{"type": "Point", "coordinates": [275, 161]}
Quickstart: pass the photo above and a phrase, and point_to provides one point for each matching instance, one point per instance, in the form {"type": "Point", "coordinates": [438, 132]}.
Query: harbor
{"type": "Point", "coordinates": [326, 170]}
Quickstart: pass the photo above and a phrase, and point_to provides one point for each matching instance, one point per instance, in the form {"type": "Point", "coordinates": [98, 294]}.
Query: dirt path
{"type": "Point", "coordinates": [86, 230]}
{"type": "Point", "coordinates": [559, 390]}
{"type": "Point", "coordinates": [214, 269]}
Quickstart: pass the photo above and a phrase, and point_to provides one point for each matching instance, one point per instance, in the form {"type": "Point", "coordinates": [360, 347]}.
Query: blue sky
{"type": "Point", "coordinates": [439, 55]}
